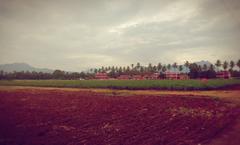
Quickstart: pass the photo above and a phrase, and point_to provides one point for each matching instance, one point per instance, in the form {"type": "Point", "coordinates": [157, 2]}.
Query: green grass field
{"type": "Point", "coordinates": [127, 84]}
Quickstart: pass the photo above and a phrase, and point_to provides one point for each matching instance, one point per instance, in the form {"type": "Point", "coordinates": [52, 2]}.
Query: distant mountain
{"type": "Point", "coordinates": [22, 67]}
{"type": "Point", "coordinates": [201, 63]}
{"type": "Point", "coordinates": [187, 70]}
{"type": "Point", "coordinates": [184, 69]}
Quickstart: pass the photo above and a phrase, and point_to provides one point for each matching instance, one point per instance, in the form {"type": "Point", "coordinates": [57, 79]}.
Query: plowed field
{"type": "Point", "coordinates": [59, 117]}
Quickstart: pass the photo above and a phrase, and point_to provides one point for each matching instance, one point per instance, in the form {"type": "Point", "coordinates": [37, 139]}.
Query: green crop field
{"type": "Point", "coordinates": [127, 84]}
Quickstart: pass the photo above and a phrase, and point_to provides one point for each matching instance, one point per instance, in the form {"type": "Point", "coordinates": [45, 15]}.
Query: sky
{"type": "Point", "coordinates": [76, 35]}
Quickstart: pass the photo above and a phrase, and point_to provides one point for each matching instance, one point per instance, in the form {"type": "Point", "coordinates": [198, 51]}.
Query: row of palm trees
{"type": "Point", "coordinates": [225, 65]}
{"type": "Point", "coordinates": [138, 68]}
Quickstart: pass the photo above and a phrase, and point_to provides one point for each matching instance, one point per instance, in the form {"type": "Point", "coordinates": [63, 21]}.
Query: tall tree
{"type": "Point", "coordinates": [132, 65]}
{"type": "Point", "coordinates": [117, 69]}
{"type": "Point", "coordinates": [120, 70]}
{"type": "Point", "coordinates": [154, 68]}
{"type": "Point", "coordinates": [211, 72]}
{"type": "Point", "coordinates": [194, 70]}
{"type": "Point", "coordinates": [164, 68]}
{"type": "Point", "coordinates": [232, 64]}
{"type": "Point", "coordinates": [225, 65]}
{"type": "Point", "coordinates": [218, 63]}
{"type": "Point", "coordinates": [174, 65]}
{"type": "Point", "coordinates": [106, 69]}
{"type": "Point", "coordinates": [169, 66]}
{"type": "Point", "coordinates": [205, 67]}
{"type": "Point", "coordinates": [128, 69]}
{"type": "Point", "coordinates": [57, 74]}
{"type": "Point", "coordinates": [112, 73]}
{"type": "Point", "coordinates": [186, 64]}
{"type": "Point", "coordinates": [211, 67]}
{"type": "Point", "coordinates": [102, 69]}
{"type": "Point", "coordinates": [150, 68]}
{"type": "Point", "coordinates": [124, 69]}
{"type": "Point", "coordinates": [238, 63]}
{"type": "Point", "coordinates": [159, 66]}
{"type": "Point", "coordinates": [138, 65]}
{"type": "Point", "coordinates": [180, 68]}
{"type": "Point", "coordinates": [199, 68]}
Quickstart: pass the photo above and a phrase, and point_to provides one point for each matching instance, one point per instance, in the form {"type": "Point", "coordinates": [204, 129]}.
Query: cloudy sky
{"type": "Point", "coordinates": [75, 35]}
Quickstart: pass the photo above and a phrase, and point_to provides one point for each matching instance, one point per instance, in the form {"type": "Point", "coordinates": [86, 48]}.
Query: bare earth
{"type": "Point", "coordinates": [43, 116]}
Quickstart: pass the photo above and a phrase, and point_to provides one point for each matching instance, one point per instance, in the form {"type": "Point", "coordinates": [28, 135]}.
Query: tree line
{"type": "Point", "coordinates": [57, 74]}
{"type": "Point", "coordinates": [194, 71]}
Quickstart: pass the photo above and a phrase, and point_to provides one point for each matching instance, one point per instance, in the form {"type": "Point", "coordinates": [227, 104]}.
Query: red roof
{"type": "Point", "coordinates": [137, 77]}
{"type": "Point", "coordinates": [151, 76]}
{"type": "Point", "coordinates": [172, 75]}
{"type": "Point", "coordinates": [101, 76]}
{"type": "Point", "coordinates": [223, 74]}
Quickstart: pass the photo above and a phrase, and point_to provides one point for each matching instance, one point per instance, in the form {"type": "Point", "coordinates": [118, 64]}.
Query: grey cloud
{"type": "Point", "coordinates": [80, 34]}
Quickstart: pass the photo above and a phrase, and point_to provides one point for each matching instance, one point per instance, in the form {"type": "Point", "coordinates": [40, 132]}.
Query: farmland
{"type": "Point", "coordinates": [116, 112]}
{"type": "Point", "coordinates": [31, 115]}
{"type": "Point", "coordinates": [128, 84]}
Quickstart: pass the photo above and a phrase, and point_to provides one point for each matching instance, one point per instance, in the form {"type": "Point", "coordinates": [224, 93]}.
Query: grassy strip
{"type": "Point", "coordinates": [128, 84]}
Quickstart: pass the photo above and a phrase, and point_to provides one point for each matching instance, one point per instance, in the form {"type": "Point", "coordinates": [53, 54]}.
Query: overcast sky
{"type": "Point", "coordinates": [75, 35]}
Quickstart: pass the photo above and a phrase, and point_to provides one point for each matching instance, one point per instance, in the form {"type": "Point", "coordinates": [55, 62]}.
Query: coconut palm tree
{"type": "Point", "coordinates": [154, 69]}
{"type": "Point", "coordinates": [102, 69]}
{"type": "Point", "coordinates": [225, 65]}
{"type": "Point", "coordinates": [132, 65]}
{"type": "Point", "coordinates": [205, 67]}
{"type": "Point", "coordinates": [124, 69]}
{"type": "Point", "coordinates": [159, 66]}
{"type": "Point", "coordinates": [169, 66]}
{"type": "Point", "coordinates": [218, 63]}
{"type": "Point", "coordinates": [180, 68]}
{"type": "Point", "coordinates": [232, 64]}
{"type": "Point", "coordinates": [187, 64]}
{"type": "Point", "coordinates": [128, 69]}
{"type": "Point", "coordinates": [116, 68]}
{"type": "Point", "coordinates": [106, 68]}
{"type": "Point", "coordinates": [138, 65]}
{"type": "Point", "coordinates": [174, 65]}
{"type": "Point", "coordinates": [238, 63]}
{"type": "Point", "coordinates": [120, 70]}
{"type": "Point", "coordinates": [164, 68]}
{"type": "Point", "coordinates": [150, 68]}
{"type": "Point", "coordinates": [211, 67]}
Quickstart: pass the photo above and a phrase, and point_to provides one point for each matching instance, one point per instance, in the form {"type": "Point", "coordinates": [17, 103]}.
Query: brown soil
{"type": "Point", "coordinates": [33, 116]}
